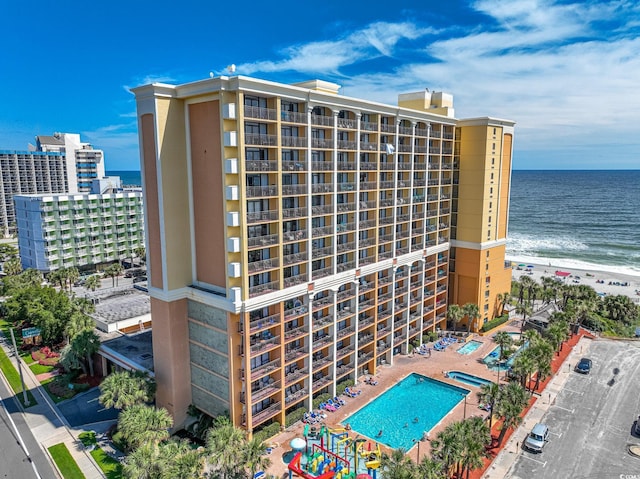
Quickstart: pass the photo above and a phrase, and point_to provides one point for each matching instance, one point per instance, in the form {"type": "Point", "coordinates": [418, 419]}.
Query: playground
{"type": "Point", "coordinates": [326, 453]}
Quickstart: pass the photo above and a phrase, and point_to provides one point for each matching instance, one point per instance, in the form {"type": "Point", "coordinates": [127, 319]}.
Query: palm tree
{"type": "Point", "coordinates": [430, 468]}
{"type": "Point", "coordinates": [505, 341]}
{"type": "Point", "coordinates": [223, 443]}
{"type": "Point", "coordinates": [455, 315]}
{"type": "Point", "coordinates": [124, 389]}
{"type": "Point", "coordinates": [523, 309]}
{"type": "Point", "coordinates": [72, 276]}
{"type": "Point", "coordinates": [446, 447]}
{"type": "Point", "coordinates": [472, 312]}
{"type": "Point", "coordinates": [489, 394]}
{"type": "Point", "coordinates": [558, 332]}
{"type": "Point", "coordinates": [141, 253]}
{"type": "Point", "coordinates": [85, 344]}
{"type": "Point", "coordinates": [253, 456]}
{"type": "Point", "coordinates": [144, 463]}
{"type": "Point", "coordinates": [78, 322]}
{"type": "Point", "coordinates": [513, 399]}
{"type": "Point", "coordinates": [12, 266]}
{"type": "Point", "coordinates": [524, 365]}
{"type": "Point", "coordinates": [179, 459]}
{"type": "Point", "coordinates": [92, 282]}
{"type": "Point", "coordinates": [397, 465]}
{"type": "Point", "coordinates": [503, 299]}
{"type": "Point", "coordinates": [476, 438]}
{"type": "Point", "coordinates": [141, 424]}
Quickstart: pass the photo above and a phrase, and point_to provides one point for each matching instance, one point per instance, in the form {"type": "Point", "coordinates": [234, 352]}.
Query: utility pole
{"type": "Point", "coordinates": [15, 349]}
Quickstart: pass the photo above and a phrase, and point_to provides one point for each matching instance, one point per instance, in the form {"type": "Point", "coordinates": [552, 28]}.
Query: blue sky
{"type": "Point", "coordinates": [567, 72]}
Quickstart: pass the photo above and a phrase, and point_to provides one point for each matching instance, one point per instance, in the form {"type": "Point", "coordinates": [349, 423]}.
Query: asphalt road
{"type": "Point", "coordinates": [14, 463]}
{"type": "Point", "coordinates": [591, 421]}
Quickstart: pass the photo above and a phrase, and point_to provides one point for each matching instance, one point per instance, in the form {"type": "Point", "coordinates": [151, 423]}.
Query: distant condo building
{"type": "Point", "coordinates": [82, 230]}
{"type": "Point", "coordinates": [60, 163]}
{"type": "Point", "coordinates": [298, 239]}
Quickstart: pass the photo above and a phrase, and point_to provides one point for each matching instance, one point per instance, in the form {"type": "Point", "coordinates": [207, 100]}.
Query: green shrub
{"type": "Point", "coordinates": [294, 416]}
{"type": "Point", "coordinates": [267, 432]}
{"type": "Point", "coordinates": [322, 398]}
{"type": "Point", "coordinates": [494, 323]}
{"type": "Point", "coordinates": [342, 385]}
{"type": "Point", "coordinates": [88, 438]}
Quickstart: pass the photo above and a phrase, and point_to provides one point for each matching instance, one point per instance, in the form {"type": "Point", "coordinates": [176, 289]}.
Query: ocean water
{"type": "Point", "coordinates": [129, 178]}
{"type": "Point", "coordinates": [576, 219]}
{"type": "Point", "coordinates": [571, 219]}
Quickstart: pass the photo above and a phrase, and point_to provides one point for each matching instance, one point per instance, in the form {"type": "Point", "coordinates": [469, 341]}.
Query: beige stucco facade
{"type": "Point", "coordinates": [299, 238]}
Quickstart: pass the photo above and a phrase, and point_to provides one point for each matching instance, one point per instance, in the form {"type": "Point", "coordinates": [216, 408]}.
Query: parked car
{"type": "Point", "coordinates": [584, 366]}
{"type": "Point", "coordinates": [134, 273]}
{"type": "Point", "coordinates": [537, 438]}
{"type": "Point", "coordinates": [139, 279]}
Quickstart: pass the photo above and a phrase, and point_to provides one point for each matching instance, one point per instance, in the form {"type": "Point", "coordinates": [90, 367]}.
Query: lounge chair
{"type": "Point", "coordinates": [332, 404]}
{"type": "Point", "coordinates": [371, 381]}
{"type": "Point", "coordinates": [342, 402]}
{"type": "Point", "coordinates": [327, 406]}
{"type": "Point", "coordinates": [352, 392]}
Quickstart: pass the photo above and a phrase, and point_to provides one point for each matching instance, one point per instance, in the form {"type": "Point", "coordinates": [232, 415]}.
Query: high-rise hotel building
{"type": "Point", "coordinates": [298, 238]}
{"type": "Point", "coordinates": [59, 163]}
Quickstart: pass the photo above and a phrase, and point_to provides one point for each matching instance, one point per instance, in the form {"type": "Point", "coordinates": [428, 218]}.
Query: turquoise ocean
{"type": "Point", "coordinates": [571, 219]}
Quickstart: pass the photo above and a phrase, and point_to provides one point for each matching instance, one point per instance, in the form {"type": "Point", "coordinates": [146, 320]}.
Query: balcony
{"type": "Point", "coordinates": [300, 189]}
{"type": "Point", "coordinates": [262, 165]}
{"type": "Point", "coordinates": [321, 143]}
{"type": "Point", "coordinates": [322, 231]}
{"type": "Point", "coordinates": [295, 354]}
{"type": "Point", "coordinates": [322, 120]}
{"type": "Point", "coordinates": [346, 166]}
{"type": "Point", "coordinates": [343, 370]}
{"type": "Point", "coordinates": [322, 322]}
{"type": "Point", "coordinates": [344, 207]}
{"type": "Point", "coordinates": [265, 288]}
{"type": "Point", "coordinates": [322, 252]}
{"type": "Point", "coordinates": [322, 273]}
{"type": "Point", "coordinates": [366, 224]}
{"type": "Point", "coordinates": [294, 141]}
{"type": "Point", "coordinates": [295, 333]}
{"type": "Point", "coordinates": [346, 266]}
{"type": "Point", "coordinates": [346, 186]}
{"type": "Point", "coordinates": [261, 323]}
{"type": "Point", "coordinates": [295, 375]}
{"type": "Point", "coordinates": [260, 112]}
{"type": "Point", "coordinates": [322, 165]}
{"type": "Point", "coordinates": [368, 146]}
{"type": "Point", "coordinates": [263, 345]}
{"type": "Point", "coordinates": [261, 139]}
{"type": "Point", "coordinates": [367, 260]}
{"type": "Point", "coordinates": [294, 280]}
{"type": "Point", "coordinates": [261, 191]}
{"type": "Point", "coordinates": [266, 264]}
{"type": "Point", "coordinates": [290, 259]}
{"type": "Point", "coordinates": [368, 165]}
{"type": "Point", "coordinates": [322, 188]}
{"type": "Point", "coordinates": [293, 117]}
{"type": "Point", "coordinates": [261, 216]}
{"type": "Point", "coordinates": [345, 351]}
{"type": "Point", "coordinates": [347, 145]}
{"type": "Point", "coordinates": [320, 343]}
{"type": "Point", "coordinates": [294, 212]}
{"type": "Point", "coordinates": [350, 246]}
{"type": "Point", "coordinates": [320, 383]}
{"type": "Point", "coordinates": [365, 322]}
{"type": "Point", "coordinates": [266, 240]}
{"type": "Point", "coordinates": [263, 415]}
{"type": "Point", "coordinates": [294, 165]}
{"type": "Point", "coordinates": [294, 236]}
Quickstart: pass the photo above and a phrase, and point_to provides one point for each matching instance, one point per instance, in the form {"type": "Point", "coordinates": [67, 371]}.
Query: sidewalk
{"type": "Point", "coordinates": [500, 468]}
{"type": "Point", "coordinates": [49, 426]}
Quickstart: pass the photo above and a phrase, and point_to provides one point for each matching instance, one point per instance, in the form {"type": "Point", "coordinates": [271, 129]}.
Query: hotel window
{"type": "Point", "coordinates": [255, 154]}
{"type": "Point", "coordinates": [255, 101]}
{"type": "Point", "coordinates": [289, 106]}
{"type": "Point", "coordinates": [289, 155]}
{"type": "Point", "coordinates": [255, 128]}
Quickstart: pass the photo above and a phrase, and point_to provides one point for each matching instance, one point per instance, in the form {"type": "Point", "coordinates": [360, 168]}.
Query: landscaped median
{"type": "Point", "coordinates": [65, 462]}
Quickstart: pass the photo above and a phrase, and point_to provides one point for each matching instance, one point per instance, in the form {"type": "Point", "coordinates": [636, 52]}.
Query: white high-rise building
{"type": "Point", "coordinates": [59, 163]}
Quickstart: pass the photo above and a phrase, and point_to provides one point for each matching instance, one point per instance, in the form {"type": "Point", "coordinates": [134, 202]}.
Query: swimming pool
{"type": "Point", "coordinates": [469, 379]}
{"type": "Point", "coordinates": [491, 359]}
{"type": "Point", "coordinates": [395, 412]}
{"type": "Point", "coordinates": [470, 347]}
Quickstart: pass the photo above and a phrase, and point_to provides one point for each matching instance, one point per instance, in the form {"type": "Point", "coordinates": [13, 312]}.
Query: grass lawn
{"type": "Point", "coordinates": [11, 373]}
{"type": "Point", "coordinates": [39, 368]}
{"type": "Point", "coordinates": [64, 461]}
{"type": "Point", "coordinates": [111, 468]}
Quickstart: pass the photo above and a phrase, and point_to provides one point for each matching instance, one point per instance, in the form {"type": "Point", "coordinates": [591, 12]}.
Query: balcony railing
{"type": "Point", "coordinates": [293, 117]}
{"type": "Point", "coordinates": [265, 288]}
{"type": "Point", "coordinates": [289, 236]}
{"type": "Point", "coordinates": [321, 252]}
{"type": "Point", "coordinates": [295, 332]}
{"type": "Point", "coordinates": [260, 323]}
{"type": "Point", "coordinates": [262, 165]}
{"type": "Point", "coordinates": [294, 141]}
{"type": "Point", "coordinates": [294, 212]}
{"type": "Point", "coordinates": [322, 231]}
{"type": "Point", "coordinates": [261, 191]}
{"type": "Point", "coordinates": [299, 189]}
{"type": "Point", "coordinates": [321, 143]}
{"type": "Point", "coordinates": [266, 240]}
{"type": "Point", "coordinates": [293, 280]}
{"type": "Point", "coordinates": [294, 165]}
{"type": "Point", "coordinates": [260, 216]}
{"type": "Point", "coordinates": [260, 139]}
{"type": "Point", "coordinates": [263, 265]}
{"type": "Point", "coordinates": [346, 166]}
{"type": "Point", "coordinates": [322, 165]}
{"type": "Point", "coordinates": [260, 112]}
{"type": "Point", "coordinates": [322, 120]}
{"type": "Point", "coordinates": [368, 165]}
{"type": "Point", "coordinates": [322, 188]}
{"type": "Point", "coordinates": [264, 414]}
{"type": "Point", "coordinates": [321, 273]}
{"type": "Point", "coordinates": [264, 345]}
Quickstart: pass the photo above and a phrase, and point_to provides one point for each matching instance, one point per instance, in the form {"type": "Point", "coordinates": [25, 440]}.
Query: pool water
{"type": "Point", "coordinates": [470, 347]}
{"type": "Point", "coordinates": [406, 411]}
{"type": "Point", "coordinates": [469, 379]}
{"type": "Point", "coordinates": [491, 359]}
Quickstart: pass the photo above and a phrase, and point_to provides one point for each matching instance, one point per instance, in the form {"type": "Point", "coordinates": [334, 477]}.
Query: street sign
{"type": "Point", "coordinates": [30, 332]}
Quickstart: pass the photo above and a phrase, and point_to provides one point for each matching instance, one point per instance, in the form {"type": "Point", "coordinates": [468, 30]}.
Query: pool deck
{"type": "Point", "coordinates": [387, 375]}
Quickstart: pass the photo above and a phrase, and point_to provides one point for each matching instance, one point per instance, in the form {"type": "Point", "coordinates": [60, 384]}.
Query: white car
{"type": "Point", "coordinates": [537, 438]}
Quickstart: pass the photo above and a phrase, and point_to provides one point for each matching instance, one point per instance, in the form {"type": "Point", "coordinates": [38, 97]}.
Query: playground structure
{"type": "Point", "coordinates": [334, 455]}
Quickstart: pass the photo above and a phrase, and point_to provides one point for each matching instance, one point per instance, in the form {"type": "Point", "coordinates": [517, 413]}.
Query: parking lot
{"type": "Point", "coordinates": [591, 420]}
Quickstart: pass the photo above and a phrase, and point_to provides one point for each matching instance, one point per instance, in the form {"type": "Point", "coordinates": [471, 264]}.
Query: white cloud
{"type": "Point", "coordinates": [327, 57]}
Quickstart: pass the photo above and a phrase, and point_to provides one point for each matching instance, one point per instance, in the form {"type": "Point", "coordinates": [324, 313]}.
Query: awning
{"type": "Point", "coordinates": [563, 274]}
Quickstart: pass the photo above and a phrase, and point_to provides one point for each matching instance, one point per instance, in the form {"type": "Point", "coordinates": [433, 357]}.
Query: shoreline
{"type": "Point", "coordinates": [604, 282]}
{"type": "Point", "coordinates": [567, 264]}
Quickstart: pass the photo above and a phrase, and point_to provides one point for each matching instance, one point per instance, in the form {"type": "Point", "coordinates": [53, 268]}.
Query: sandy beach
{"type": "Point", "coordinates": [604, 282]}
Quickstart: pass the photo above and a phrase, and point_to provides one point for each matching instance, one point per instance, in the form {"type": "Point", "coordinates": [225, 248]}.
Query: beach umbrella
{"type": "Point", "coordinates": [298, 443]}
{"type": "Point", "coordinates": [522, 265]}
{"type": "Point", "coordinates": [530, 266]}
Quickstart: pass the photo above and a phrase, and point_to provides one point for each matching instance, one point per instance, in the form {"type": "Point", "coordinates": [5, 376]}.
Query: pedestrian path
{"type": "Point", "coordinates": [50, 427]}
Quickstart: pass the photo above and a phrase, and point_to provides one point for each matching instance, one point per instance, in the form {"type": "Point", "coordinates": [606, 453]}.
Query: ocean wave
{"type": "Point", "coordinates": [571, 263]}
{"type": "Point", "coordinates": [524, 244]}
